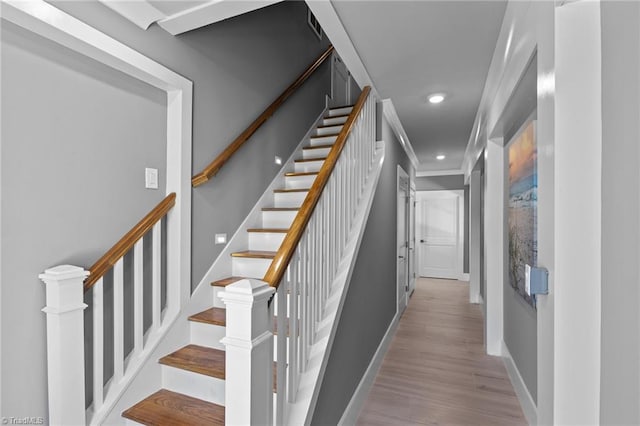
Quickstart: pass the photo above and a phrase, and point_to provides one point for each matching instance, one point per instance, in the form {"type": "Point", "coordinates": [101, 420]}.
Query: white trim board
{"type": "Point", "coordinates": [351, 413]}
{"type": "Point", "coordinates": [526, 401]}
{"type": "Point", "coordinates": [452, 172]}
{"type": "Point", "coordinates": [389, 111]}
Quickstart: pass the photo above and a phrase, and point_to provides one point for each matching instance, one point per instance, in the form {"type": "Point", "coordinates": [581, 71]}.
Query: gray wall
{"type": "Point", "coordinates": [439, 183]}
{"type": "Point", "coordinates": [520, 321]}
{"type": "Point", "coordinates": [371, 301]}
{"type": "Point", "coordinates": [620, 350]}
{"type": "Point", "coordinates": [68, 125]}
{"type": "Point", "coordinates": [238, 67]}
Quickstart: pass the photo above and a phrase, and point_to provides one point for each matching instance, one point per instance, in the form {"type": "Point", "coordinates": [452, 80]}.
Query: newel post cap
{"type": "Point", "coordinates": [63, 273]}
{"type": "Point", "coordinates": [247, 291]}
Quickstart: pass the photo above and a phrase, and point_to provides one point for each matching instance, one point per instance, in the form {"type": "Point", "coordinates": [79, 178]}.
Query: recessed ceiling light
{"type": "Point", "coordinates": [436, 98]}
{"type": "Point", "coordinates": [440, 157]}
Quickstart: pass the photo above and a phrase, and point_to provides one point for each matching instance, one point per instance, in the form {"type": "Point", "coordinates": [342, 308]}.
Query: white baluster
{"type": "Point", "coordinates": [118, 321]}
{"type": "Point", "coordinates": [293, 330]}
{"type": "Point", "coordinates": [281, 338]}
{"type": "Point", "coordinates": [98, 344]}
{"type": "Point", "coordinates": [156, 275]}
{"type": "Point", "coordinates": [138, 301]}
{"type": "Point", "coordinates": [249, 347]}
{"type": "Point", "coordinates": [65, 344]}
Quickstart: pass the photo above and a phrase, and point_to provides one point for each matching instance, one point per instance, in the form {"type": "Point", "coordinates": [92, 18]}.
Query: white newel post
{"type": "Point", "coordinates": [65, 344]}
{"type": "Point", "coordinates": [249, 360]}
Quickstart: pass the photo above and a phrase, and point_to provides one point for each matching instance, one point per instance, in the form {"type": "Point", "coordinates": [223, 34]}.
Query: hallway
{"type": "Point", "coordinates": [436, 371]}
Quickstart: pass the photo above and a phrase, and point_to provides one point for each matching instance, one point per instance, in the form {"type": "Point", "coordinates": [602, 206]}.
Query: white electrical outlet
{"type": "Point", "coordinates": [150, 178]}
{"type": "Point", "coordinates": [221, 238]}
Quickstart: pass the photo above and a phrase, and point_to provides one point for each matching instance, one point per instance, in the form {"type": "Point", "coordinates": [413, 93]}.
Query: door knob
{"type": "Point", "coordinates": [400, 257]}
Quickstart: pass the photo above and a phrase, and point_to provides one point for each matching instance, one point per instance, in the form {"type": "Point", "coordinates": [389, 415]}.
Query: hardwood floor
{"type": "Point", "coordinates": [436, 371]}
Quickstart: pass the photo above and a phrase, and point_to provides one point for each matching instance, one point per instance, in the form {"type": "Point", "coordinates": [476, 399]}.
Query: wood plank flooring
{"type": "Point", "coordinates": [436, 371]}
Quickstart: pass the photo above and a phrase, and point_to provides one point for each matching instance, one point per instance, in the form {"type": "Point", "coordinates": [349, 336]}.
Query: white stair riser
{"type": "Point", "coordinates": [128, 422]}
{"type": "Point", "coordinates": [269, 241]}
{"type": "Point", "coordinates": [208, 335]}
{"type": "Point", "coordinates": [289, 199]}
{"type": "Point", "coordinates": [299, 182]}
{"type": "Point", "coordinates": [334, 120]}
{"type": "Point", "coordinates": [278, 219]}
{"type": "Point", "coordinates": [193, 384]}
{"type": "Point", "coordinates": [333, 130]}
{"type": "Point", "coordinates": [308, 166]}
{"type": "Point", "coordinates": [315, 153]}
{"type": "Point", "coordinates": [339, 111]}
{"type": "Point", "coordinates": [250, 267]}
{"type": "Point", "coordinates": [324, 140]}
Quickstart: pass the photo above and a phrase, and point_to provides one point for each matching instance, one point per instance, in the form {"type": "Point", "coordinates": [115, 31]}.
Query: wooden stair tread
{"type": "Point", "coordinates": [273, 230]}
{"type": "Point", "coordinates": [329, 145]}
{"type": "Point", "coordinates": [215, 316]}
{"type": "Point", "coordinates": [199, 359]}
{"type": "Point", "coordinates": [329, 117]}
{"type": "Point", "coordinates": [306, 160]}
{"type": "Point", "coordinates": [226, 281]}
{"type": "Point", "coordinates": [323, 136]}
{"type": "Point", "coordinates": [285, 190]}
{"type": "Point", "coordinates": [340, 107]}
{"type": "Point", "coordinates": [289, 174]}
{"type": "Point", "coordinates": [280, 209]}
{"type": "Point", "coordinates": [255, 254]}
{"type": "Point", "coordinates": [164, 408]}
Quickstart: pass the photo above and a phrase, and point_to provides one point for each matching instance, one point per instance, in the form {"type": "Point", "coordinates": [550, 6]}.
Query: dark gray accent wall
{"type": "Point", "coordinates": [452, 182]}
{"type": "Point", "coordinates": [520, 320]}
{"type": "Point", "coordinates": [620, 350]}
{"type": "Point", "coordinates": [238, 67]}
{"type": "Point", "coordinates": [370, 304]}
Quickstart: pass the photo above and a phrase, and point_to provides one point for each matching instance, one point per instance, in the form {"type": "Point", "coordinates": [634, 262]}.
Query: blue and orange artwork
{"type": "Point", "coordinates": [523, 207]}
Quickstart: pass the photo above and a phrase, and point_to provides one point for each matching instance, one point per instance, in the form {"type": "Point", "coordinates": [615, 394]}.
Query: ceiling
{"type": "Point", "coordinates": [415, 48]}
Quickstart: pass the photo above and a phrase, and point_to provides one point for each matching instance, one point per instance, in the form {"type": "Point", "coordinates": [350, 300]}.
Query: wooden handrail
{"type": "Point", "coordinates": [217, 164]}
{"type": "Point", "coordinates": [280, 262]}
{"type": "Point", "coordinates": [130, 238]}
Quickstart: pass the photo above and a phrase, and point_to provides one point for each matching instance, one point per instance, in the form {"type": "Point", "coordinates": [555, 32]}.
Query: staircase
{"type": "Point", "coordinates": [194, 375]}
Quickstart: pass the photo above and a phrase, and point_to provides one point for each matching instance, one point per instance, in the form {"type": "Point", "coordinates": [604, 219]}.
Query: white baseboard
{"type": "Point", "coordinates": [526, 401]}
{"type": "Point", "coordinates": [350, 415]}
{"type": "Point", "coordinates": [464, 277]}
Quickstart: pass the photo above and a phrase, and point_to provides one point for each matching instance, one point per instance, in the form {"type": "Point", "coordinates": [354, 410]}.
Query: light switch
{"type": "Point", "coordinates": [150, 178]}
{"type": "Point", "coordinates": [221, 238]}
{"type": "Point", "coordinates": [278, 161]}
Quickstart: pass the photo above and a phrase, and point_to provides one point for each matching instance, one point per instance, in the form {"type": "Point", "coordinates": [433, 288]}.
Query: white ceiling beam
{"type": "Point", "coordinates": [209, 13]}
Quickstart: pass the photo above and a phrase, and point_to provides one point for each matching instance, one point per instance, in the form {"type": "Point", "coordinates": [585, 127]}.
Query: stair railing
{"type": "Point", "coordinates": [66, 286]}
{"type": "Point", "coordinates": [228, 152]}
{"type": "Point", "coordinates": [301, 275]}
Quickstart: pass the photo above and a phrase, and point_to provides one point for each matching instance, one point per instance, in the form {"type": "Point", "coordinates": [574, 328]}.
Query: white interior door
{"type": "Point", "coordinates": [402, 246]}
{"type": "Point", "coordinates": [440, 230]}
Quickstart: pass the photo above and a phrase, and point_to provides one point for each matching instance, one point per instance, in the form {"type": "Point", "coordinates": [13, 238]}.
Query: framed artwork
{"type": "Point", "coordinates": [523, 206]}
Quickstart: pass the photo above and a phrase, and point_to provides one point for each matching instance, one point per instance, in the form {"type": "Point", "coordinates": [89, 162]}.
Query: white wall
{"type": "Point", "coordinates": [578, 214]}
